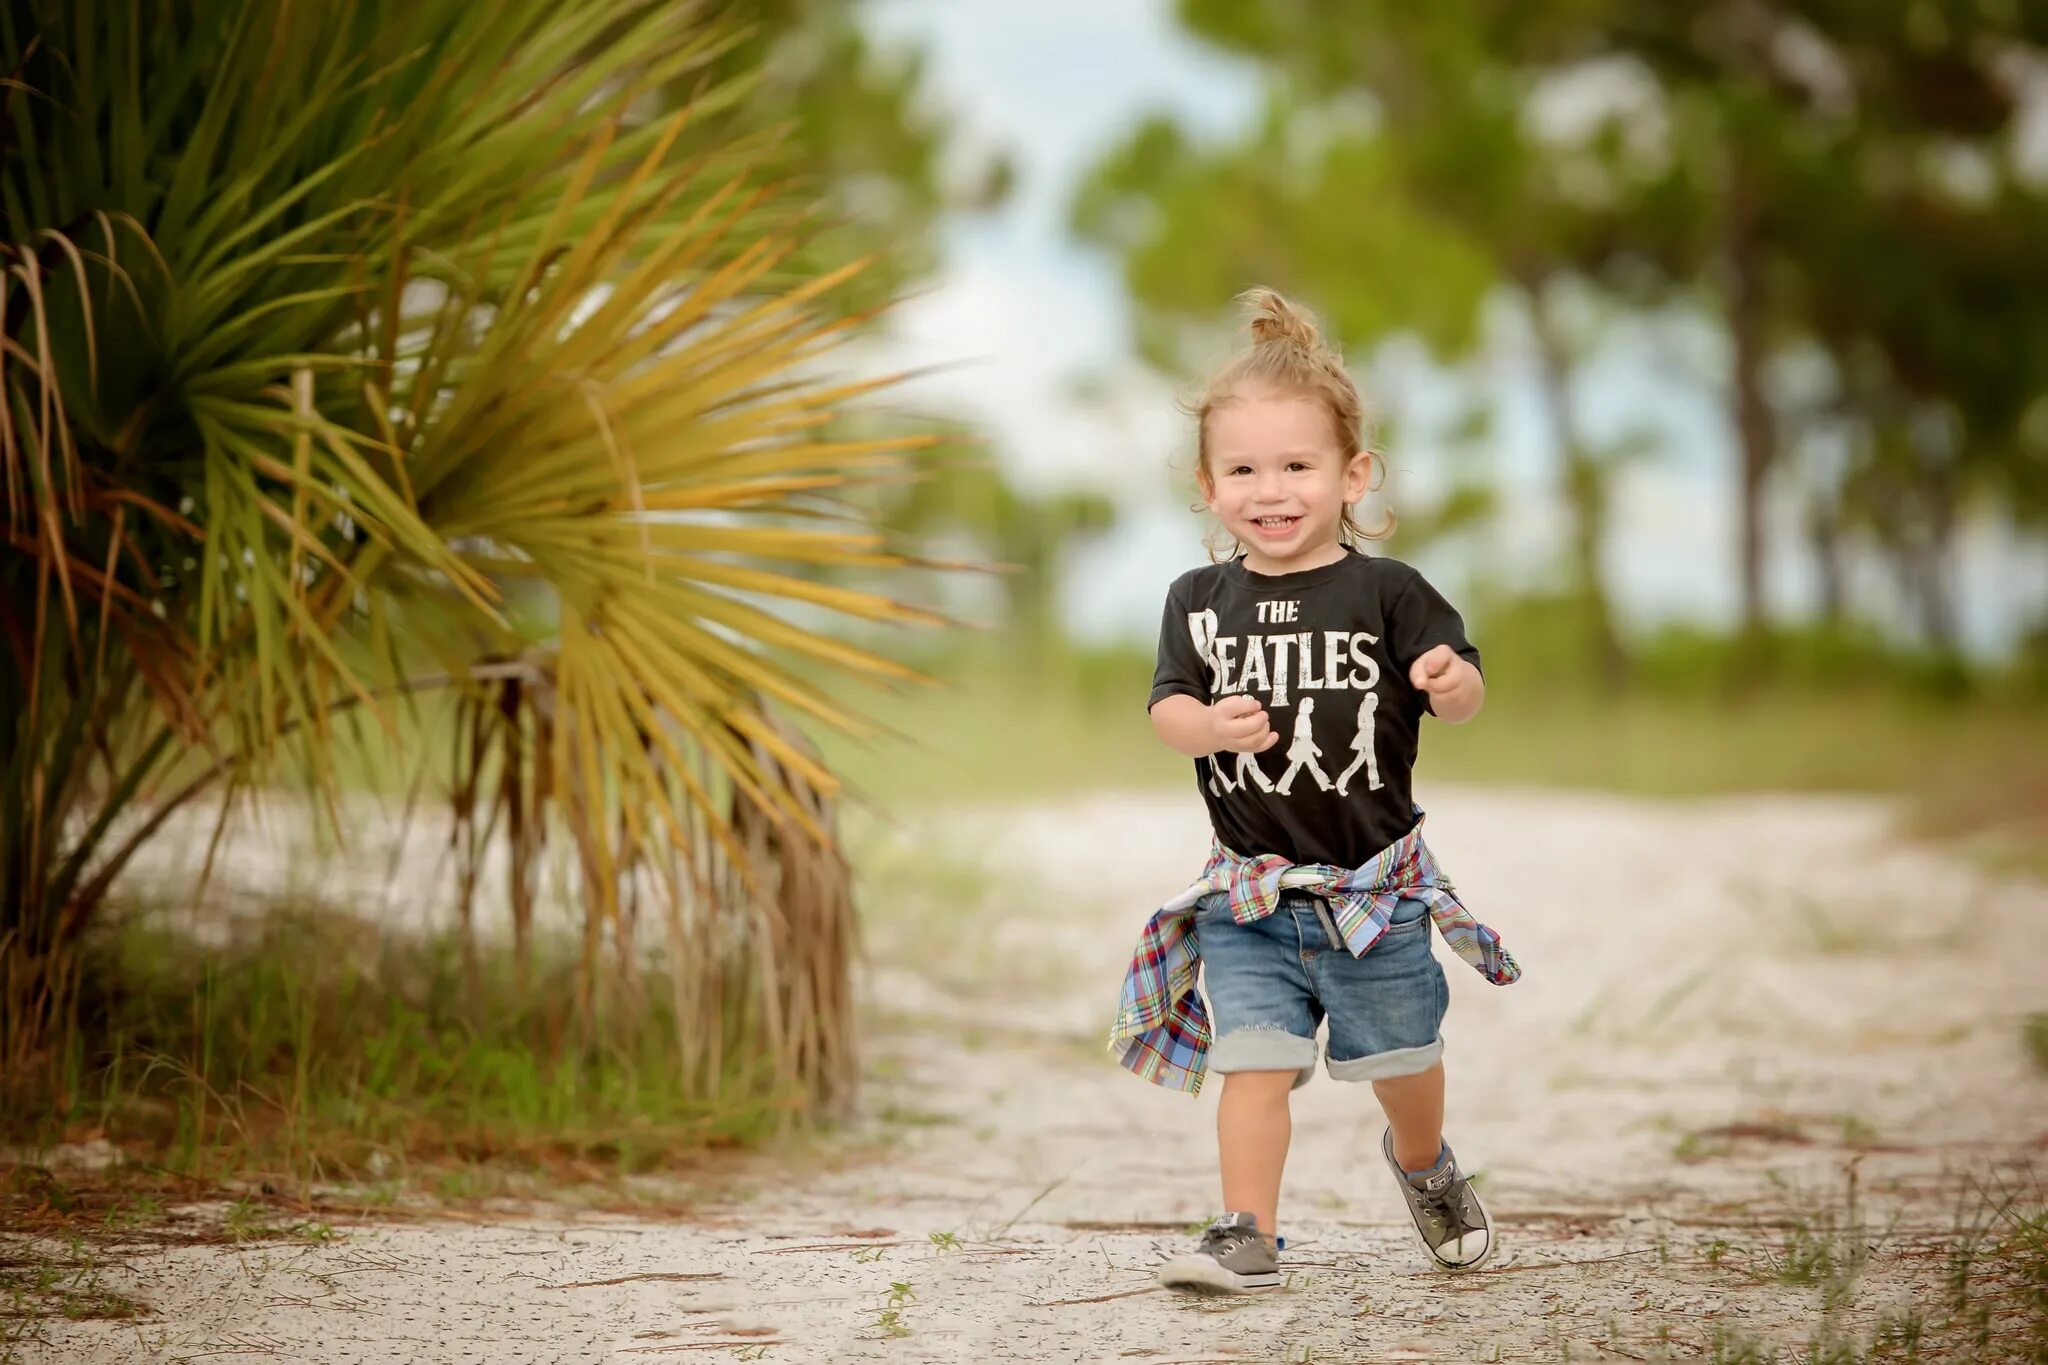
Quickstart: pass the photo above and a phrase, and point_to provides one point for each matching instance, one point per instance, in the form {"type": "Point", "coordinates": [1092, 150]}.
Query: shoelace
{"type": "Point", "coordinates": [1450, 1211]}
{"type": "Point", "coordinates": [1227, 1236]}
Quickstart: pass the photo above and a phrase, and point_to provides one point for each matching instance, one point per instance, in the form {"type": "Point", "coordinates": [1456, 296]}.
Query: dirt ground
{"type": "Point", "coordinates": [1764, 1063]}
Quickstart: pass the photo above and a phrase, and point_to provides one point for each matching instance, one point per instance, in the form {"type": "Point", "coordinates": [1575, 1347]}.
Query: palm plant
{"type": "Point", "coordinates": [332, 330]}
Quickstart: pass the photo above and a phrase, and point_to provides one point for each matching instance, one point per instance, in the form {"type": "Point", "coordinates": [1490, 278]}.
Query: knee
{"type": "Point", "coordinates": [1259, 1087]}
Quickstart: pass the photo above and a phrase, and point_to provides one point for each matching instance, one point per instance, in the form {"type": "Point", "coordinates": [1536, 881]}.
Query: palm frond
{"type": "Point", "coordinates": [333, 331]}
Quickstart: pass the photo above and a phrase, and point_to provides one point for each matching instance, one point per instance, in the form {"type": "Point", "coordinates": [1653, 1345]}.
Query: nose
{"type": "Point", "coordinates": [1268, 487]}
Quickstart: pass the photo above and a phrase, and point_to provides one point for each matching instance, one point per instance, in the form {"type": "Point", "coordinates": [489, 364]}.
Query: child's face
{"type": "Point", "coordinates": [1279, 481]}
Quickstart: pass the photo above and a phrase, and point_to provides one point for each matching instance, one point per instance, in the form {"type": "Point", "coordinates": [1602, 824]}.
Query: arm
{"type": "Point", "coordinates": [1429, 636]}
{"type": "Point", "coordinates": [1190, 726]}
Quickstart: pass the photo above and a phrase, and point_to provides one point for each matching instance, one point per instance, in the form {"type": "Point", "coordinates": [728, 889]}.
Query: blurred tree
{"type": "Point", "coordinates": [1939, 380]}
{"type": "Point", "coordinates": [1023, 535]}
{"type": "Point", "coordinates": [855, 124]}
{"type": "Point", "coordinates": [1824, 176]}
{"type": "Point", "coordinates": [1397, 184]}
{"type": "Point", "coordinates": [1841, 178]}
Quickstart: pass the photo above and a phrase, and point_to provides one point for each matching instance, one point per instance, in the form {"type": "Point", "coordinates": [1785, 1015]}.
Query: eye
{"type": "Point", "coordinates": [1241, 469]}
{"type": "Point", "coordinates": [1294, 465]}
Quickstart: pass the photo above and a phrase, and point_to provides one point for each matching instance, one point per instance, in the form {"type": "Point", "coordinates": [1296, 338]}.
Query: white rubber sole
{"type": "Point", "coordinates": [1456, 1267]}
{"type": "Point", "coordinates": [1205, 1275]}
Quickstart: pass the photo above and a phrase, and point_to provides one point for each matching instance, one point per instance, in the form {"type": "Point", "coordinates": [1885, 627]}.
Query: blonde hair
{"type": "Point", "coordinates": [1289, 354]}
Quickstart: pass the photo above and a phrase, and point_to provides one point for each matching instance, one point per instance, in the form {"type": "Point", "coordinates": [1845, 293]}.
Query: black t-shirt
{"type": "Point", "coordinates": [1326, 651]}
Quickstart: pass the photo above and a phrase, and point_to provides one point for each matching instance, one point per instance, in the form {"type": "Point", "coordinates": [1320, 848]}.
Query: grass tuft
{"type": "Point", "coordinates": [2034, 1037]}
{"type": "Point", "coordinates": [40, 1278]}
{"type": "Point", "coordinates": [308, 1049]}
{"type": "Point", "coordinates": [1991, 1306]}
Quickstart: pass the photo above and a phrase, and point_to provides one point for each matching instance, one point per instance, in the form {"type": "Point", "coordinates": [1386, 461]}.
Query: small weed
{"type": "Point", "coordinates": [1730, 1348]}
{"type": "Point", "coordinates": [868, 1255]}
{"type": "Point", "coordinates": [249, 1220]}
{"type": "Point", "coordinates": [135, 1212]}
{"type": "Point", "coordinates": [1695, 1147]}
{"type": "Point", "coordinates": [1029, 1205]}
{"type": "Point", "coordinates": [31, 1188]}
{"type": "Point", "coordinates": [1994, 1310]}
{"type": "Point", "coordinates": [2021, 1267]}
{"type": "Point", "coordinates": [2034, 1036]}
{"type": "Point", "coordinates": [38, 1280]}
{"type": "Point", "coordinates": [459, 1183]}
{"type": "Point", "coordinates": [1900, 1337]}
{"type": "Point", "coordinates": [890, 1320]}
{"type": "Point", "coordinates": [943, 1242]}
{"type": "Point", "coordinates": [1897, 1341]}
{"type": "Point", "coordinates": [1829, 1250]}
{"type": "Point", "coordinates": [1824, 934]}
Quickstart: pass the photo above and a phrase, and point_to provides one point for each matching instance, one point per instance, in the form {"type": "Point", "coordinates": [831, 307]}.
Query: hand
{"type": "Point", "coordinates": [1241, 727]}
{"type": "Point", "coordinates": [1453, 685]}
{"type": "Point", "coordinates": [1436, 671]}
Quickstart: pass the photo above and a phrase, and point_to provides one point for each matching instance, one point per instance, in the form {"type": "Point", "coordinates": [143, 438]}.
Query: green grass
{"type": "Point", "coordinates": [1990, 1307]}
{"type": "Point", "coordinates": [250, 1220]}
{"type": "Point", "coordinates": [41, 1278]}
{"type": "Point", "coordinates": [310, 1048]}
{"type": "Point", "coordinates": [1658, 746]}
{"type": "Point", "coordinates": [1826, 1244]}
{"type": "Point", "coordinates": [993, 731]}
{"type": "Point", "coordinates": [999, 725]}
{"type": "Point", "coordinates": [986, 732]}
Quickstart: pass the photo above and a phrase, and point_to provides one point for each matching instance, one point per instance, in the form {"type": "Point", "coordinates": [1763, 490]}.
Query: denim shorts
{"type": "Point", "coordinates": [1270, 983]}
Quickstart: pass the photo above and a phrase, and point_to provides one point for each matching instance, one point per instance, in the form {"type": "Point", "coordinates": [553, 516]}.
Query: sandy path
{"type": "Point", "coordinates": [1768, 962]}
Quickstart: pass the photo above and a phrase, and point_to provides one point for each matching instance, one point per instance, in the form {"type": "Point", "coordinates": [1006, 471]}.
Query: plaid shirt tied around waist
{"type": "Point", "coordinates": [1162, 1027]}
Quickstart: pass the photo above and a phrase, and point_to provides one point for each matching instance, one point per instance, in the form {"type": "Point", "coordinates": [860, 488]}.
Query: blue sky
{"type": "Point", "coordinates": [1020, 313]}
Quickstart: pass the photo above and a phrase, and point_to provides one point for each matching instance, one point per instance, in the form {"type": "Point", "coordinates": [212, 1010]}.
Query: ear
{"type": "Point", "coordinates": [1358, 475]}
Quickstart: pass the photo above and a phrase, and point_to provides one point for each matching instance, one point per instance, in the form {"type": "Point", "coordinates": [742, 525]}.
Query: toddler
{"type": "Point", "coordinates": [1296, 674]}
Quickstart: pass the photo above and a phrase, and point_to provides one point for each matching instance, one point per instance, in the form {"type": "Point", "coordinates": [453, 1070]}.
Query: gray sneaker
{"type": "Point", "coordinates": [1234, 1256]}
{"type": "Point", "coordinates": [1450, 1221]}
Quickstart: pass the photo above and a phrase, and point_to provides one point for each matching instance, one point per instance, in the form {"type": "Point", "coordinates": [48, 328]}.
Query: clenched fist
{"type": "Point", "coordinates": [1454, 686]}
{"type": "Point", "coordinates": [1241, 725]}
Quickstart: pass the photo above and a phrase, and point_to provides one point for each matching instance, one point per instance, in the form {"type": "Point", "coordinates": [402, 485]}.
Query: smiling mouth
{"type": "Point", "coordinates": [1275, 523]}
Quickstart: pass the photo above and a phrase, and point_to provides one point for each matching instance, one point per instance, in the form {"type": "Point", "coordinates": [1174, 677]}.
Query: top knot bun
{"type": "Point", "coordinates": [1273, 318]}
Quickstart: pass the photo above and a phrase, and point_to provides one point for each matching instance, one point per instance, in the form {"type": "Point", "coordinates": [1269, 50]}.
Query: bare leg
{"type": "Point", "coordinates": [1415, 1108]}
{"type": "Point", "coordinates": [1253, 1128]}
